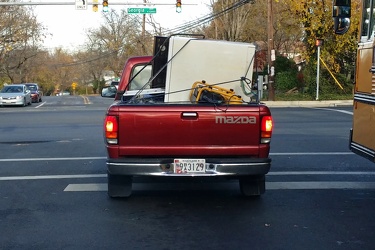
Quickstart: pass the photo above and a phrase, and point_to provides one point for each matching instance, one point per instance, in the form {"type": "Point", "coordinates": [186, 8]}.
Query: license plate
{"type": "Point", "coordinates": [186, 166]}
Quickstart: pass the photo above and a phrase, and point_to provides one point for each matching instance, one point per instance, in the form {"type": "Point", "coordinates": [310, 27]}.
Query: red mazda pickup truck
{"type": "Point", "coordinates": [145, 135]}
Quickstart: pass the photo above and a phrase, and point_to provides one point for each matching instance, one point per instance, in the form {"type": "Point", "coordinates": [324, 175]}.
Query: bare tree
{"type": "Point", "coordinates": [231, 19]}
{"type": "Point", "coordinates": [248, 23]}
{"type": "Point", "coordinates": [20, 35]}
{"type": "Point", "coordinates": [90, 64]}
{"type": "Point", "coordinates": [63, 68]}
{"type": "Point", "coordinates": [118, 38]}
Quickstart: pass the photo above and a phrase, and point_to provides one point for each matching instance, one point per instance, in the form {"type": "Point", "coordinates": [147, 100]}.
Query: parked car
{"type": "Point", "coordinates": [15, 94]}
{"type": "Point", "coordinates": [36, 93]}
{"type": "Point", "coordinates": [63, 93]}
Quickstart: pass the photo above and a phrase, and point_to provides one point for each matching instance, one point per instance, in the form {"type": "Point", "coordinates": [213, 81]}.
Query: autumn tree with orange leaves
{"type": "Point", "coordinates": [315, 17]}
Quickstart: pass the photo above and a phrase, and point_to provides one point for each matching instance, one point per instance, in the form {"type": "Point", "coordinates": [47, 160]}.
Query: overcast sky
{"type": "Point", "coordinates": [68, 25]}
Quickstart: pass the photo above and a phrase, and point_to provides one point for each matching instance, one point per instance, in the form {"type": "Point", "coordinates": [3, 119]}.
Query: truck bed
{"type": "Point", "coordinates": [170, 139]}
{"type": "Point", "coordinates": [188, 130]}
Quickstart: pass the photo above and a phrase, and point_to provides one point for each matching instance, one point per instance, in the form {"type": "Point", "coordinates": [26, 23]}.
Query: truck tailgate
{"type": "Point", "coordinates": [189, 130]}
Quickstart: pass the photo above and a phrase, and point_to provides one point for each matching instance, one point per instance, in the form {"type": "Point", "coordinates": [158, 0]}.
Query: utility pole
{"type": "Point", "coordinates": [144, 22]}
{"type": "Point", "coordinates": [271, 54]}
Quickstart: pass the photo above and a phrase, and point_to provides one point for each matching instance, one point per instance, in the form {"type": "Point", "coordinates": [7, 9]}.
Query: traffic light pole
{"type": "Point", "coordinates": [271, 54]}
{"type": "Point", "coordinates": [318, 43]}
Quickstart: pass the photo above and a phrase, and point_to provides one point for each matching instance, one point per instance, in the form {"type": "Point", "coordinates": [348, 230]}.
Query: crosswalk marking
{"type": "Point", "coordinates": [303, 185]}
{"type": "Point", "coordinates": [270, 185]}
{"type": "Point", "coordinates": [275, 173]}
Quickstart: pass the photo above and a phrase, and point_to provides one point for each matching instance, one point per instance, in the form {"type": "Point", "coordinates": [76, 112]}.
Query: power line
{"type": "Point", "coordinates": [179, 29]}
{"type": "Point", "coordinates": [88, 3]}
{"type": "Point", "coordinates": [205, 19]}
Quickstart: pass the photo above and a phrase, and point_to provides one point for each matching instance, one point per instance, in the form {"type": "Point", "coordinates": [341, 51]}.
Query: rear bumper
{"type": "Point", "coordinates": [360, 149]}
{"type": "Point", "coordinates": [4, 102]}
{"type": "Point", "coordinates": [164, 167]}
{"type": "Point", "coordinates": [35, 98]}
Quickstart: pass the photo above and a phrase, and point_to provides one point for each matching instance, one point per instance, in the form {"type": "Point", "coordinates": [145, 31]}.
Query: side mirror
{"type": "Point", "coordinates": [109, 92]}
{"type": "Point", "coordinates": [341, 12]}
{"type": "Point", "coordinates": [341, 25]}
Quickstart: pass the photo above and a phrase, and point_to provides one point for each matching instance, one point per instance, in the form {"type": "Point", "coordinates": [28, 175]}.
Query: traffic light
{"type": "Point", "coordinates": [105, 6]}
{"type": "Point", "coordinates": [178, 6]}
{"type": "Point", "coordinates": [95, 6]}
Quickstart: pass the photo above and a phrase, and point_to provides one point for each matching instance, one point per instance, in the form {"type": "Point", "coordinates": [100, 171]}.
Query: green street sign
{"type": "Point", "coordinates": [141, 10]}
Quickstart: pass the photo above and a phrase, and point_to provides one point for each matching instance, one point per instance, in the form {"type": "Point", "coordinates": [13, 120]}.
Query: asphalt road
{"type": "Point", "coordinates": [53, 182]}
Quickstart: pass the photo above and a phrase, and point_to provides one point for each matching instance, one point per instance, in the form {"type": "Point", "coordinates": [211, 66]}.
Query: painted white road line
{"type": "Point", "coordinates": [314, 153]}
{"type": "Point", "coordinates": [305, 185]}
{"type": "Point", "coordinates": [48, 177]}
{"type": "Point", "coordinates": [40, 105]}
{"type": "Point", "coordinates": [320, 173]}
{"type": "Point", "coordinates": [90, 187]}
{"type": "Point", "coordinates": [336, 110]}
{"type": "Point", "coordinates": [277, 173]}
{"type": "Point", "coordinates": [54, 159]}
{"type": "Point", "coordinates": [320, 185]}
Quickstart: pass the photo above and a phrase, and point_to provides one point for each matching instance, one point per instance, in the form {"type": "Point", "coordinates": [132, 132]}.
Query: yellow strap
{"type": "Point", "coordinates": [331, 73]}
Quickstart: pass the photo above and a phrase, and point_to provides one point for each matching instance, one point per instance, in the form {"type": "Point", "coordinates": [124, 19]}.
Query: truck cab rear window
{"type": "Point", "coordinates": [142, 78]}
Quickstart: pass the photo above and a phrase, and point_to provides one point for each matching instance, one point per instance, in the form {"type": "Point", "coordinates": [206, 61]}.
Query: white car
{"type": "Point", "coordinates": [15, 94]}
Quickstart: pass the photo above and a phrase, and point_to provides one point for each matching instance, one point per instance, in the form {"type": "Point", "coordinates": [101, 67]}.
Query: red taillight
{"type": "Point", "coordinates": [111, 129]}
{"type": "Point", "coordinates": [266, 129]}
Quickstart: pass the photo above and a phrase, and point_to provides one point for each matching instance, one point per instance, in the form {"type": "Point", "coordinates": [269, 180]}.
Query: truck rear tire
{"type": "Point", "coordinates": [119, 186]}
{"type": "Point", "coordinates": [253, 186]}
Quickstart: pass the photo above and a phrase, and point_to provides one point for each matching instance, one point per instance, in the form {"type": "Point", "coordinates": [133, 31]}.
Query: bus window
{"type": "Point", "coordinates": [367, 29]}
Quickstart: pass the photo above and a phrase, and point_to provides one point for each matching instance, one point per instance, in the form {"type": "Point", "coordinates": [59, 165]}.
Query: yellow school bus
{"type": "Point", "coordinates": [362, 133]}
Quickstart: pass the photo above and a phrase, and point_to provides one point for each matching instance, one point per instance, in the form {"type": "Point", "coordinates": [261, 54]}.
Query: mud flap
{"type": "Point", "coordinates": [252, 185]}
{"type": "Point", "coordinates": [119, 185]}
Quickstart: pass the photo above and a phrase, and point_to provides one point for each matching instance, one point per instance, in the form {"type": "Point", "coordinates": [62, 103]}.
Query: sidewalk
{"type": "Point", "coordinates": [333, 103]}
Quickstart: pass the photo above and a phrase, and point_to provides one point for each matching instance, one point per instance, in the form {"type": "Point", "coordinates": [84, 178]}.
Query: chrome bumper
{"type": "Point", "coordinates": [165, 167]}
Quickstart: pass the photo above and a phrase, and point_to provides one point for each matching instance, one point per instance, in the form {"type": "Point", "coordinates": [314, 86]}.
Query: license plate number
{"type": "Point", "coordinates": [185, 166]}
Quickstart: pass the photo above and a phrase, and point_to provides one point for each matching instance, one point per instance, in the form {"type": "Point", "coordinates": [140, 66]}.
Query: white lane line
{"type": "Point", "coordinates": [302, 185]}
{"type": "Point", "coordinates": [90, 187]}
{"type": "Point", "coordinates": [314, 153]}
{"type": "Point", "coordinates": [54, 159]}
{"type": "Point", "coordinates": [48, 177]}
{"type": "Point", "coordinates": [306, 185]}
{"type": "Point", "coordinates": [336, 110]}
{"type": "Point", "coordinates": [40, 105]}
{"type": "Point", "coordinates": [320, 185]}
{"type": "Point", "coordinates": [277, 173]}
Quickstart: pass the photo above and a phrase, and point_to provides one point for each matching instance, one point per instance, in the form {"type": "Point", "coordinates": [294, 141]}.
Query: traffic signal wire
{"type": "Point", "coordinates": [205, 19]}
